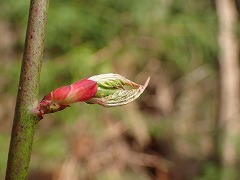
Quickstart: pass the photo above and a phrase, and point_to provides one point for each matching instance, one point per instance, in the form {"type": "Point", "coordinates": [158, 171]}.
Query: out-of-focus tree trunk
{"type": "Point", "coordinates": [229, 72]}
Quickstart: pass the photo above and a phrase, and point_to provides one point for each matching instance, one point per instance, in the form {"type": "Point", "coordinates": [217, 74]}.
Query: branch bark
{"type": "Point", "coordinates": [229, 71]}
{"type": "Point", "coordinates": [25, 122]}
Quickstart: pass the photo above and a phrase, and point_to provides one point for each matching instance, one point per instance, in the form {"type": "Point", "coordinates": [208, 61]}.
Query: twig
{"type": "Point", "coordinates": [25, 122]}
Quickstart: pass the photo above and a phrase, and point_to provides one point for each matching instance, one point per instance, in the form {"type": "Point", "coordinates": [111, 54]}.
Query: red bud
{"type": "Point", "coordinates": [105, 89]}
{"type": "Point", "coordinates": [62, 97]}
{"type": "Point", "coordinates": [79, 91]}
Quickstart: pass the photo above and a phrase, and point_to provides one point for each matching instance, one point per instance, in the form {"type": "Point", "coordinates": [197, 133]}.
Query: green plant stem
{"type": "Point", "coordinates": [24, 123]}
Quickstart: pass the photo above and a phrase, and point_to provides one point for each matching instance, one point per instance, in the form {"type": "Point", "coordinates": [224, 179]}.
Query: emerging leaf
{"type": "Point", "coordinates": [107, 90]}
{"type": "Point", "coordinates": [115, 90]}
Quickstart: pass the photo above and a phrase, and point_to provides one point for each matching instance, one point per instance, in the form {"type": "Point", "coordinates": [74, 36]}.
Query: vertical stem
{"type": "Point", "coordinates": [25, 122]}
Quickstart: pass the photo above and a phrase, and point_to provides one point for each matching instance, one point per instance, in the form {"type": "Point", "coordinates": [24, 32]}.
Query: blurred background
{"type": "Point", "coordinates": [171, 132]}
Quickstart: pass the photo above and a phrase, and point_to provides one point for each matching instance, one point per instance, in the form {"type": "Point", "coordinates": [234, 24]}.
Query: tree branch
{"type": "Point", "coordinates": [25, 122]}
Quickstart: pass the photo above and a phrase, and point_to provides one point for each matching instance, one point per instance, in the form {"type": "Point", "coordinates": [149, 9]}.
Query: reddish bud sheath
{"type": "Point", "coordinates": [62, 97]}
{"type": "Point", "coordinates": [77, 92]}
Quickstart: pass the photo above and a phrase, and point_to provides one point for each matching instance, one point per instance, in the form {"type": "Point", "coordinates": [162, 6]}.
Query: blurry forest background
{"type": "Point", "coordinates": [171, 132]}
